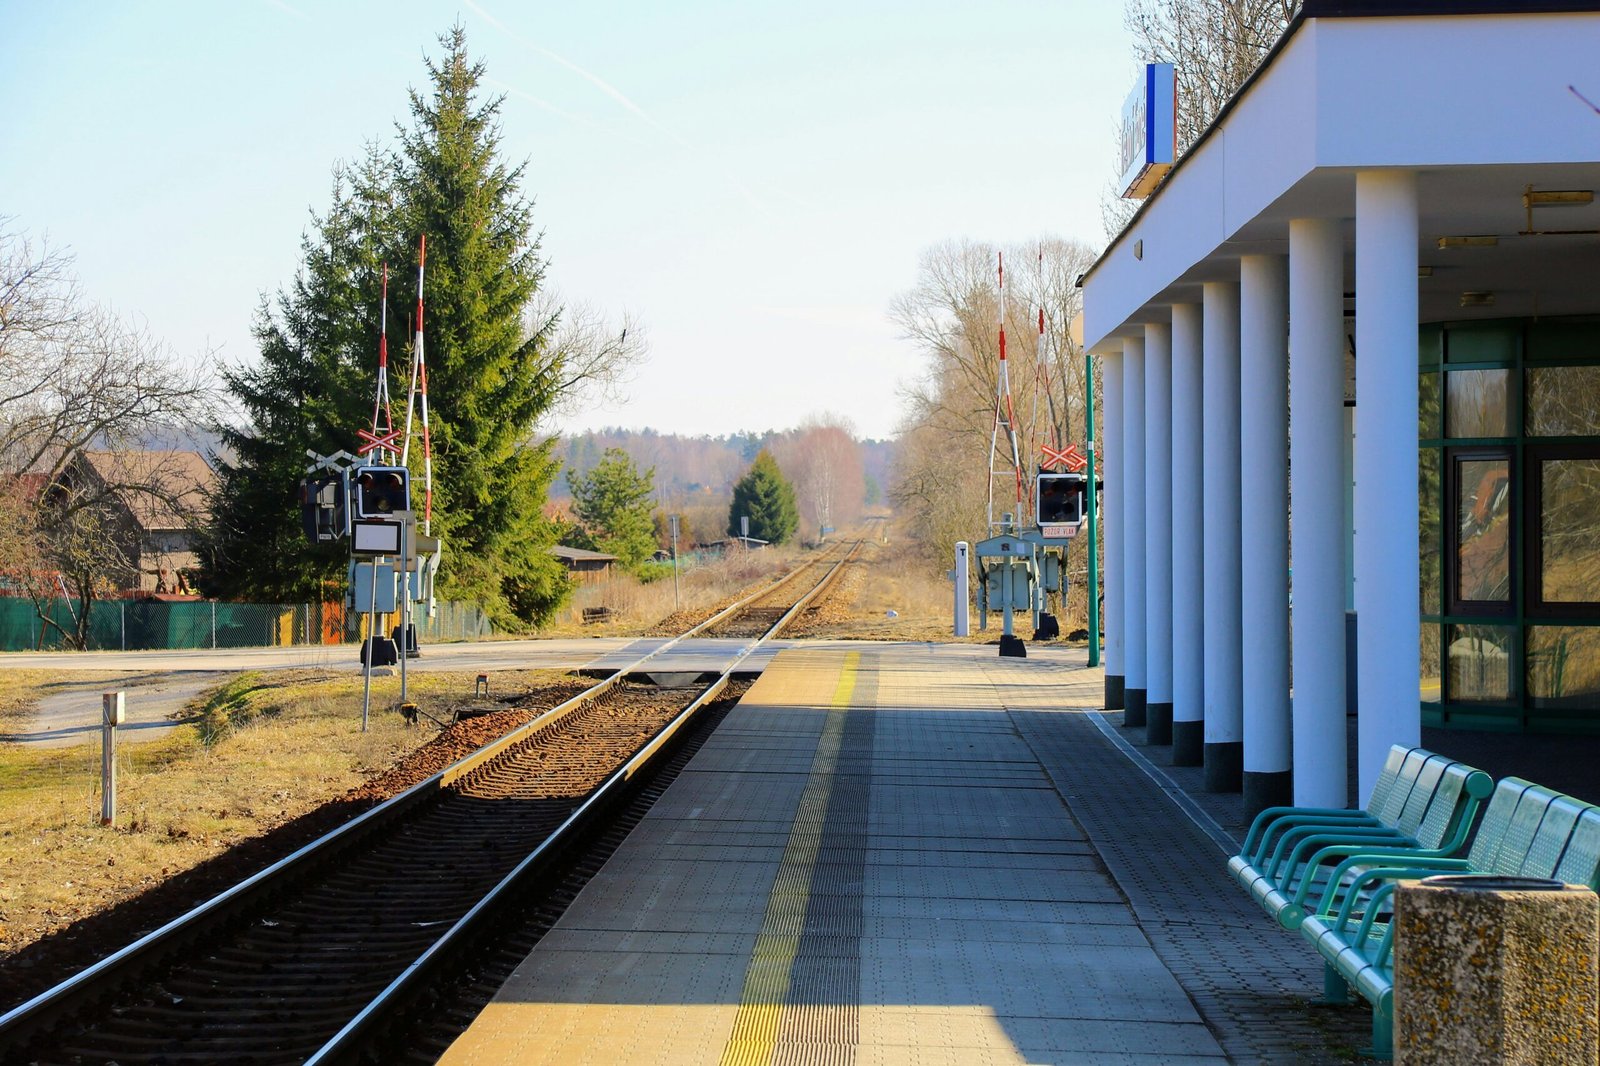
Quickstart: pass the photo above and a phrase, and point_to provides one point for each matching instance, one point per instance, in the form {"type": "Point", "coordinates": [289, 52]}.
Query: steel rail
{"type": "Point", "coordinates": [347, 1038]}
{"type": "Point", "coordinates": [173, 934]}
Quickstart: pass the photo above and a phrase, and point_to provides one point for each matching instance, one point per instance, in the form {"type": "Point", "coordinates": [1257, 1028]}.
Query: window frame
{"type": "Point", "coordinates": [1534, 453]}
{"type": "Point", "coordinates": [1454, 604]}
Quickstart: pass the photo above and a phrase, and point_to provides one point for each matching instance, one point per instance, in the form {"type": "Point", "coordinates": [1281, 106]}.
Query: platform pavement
{"type": "Point", "coordinates": [916, 854]}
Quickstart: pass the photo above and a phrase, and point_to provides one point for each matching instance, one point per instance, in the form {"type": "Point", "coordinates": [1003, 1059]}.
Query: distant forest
{"type": "Point", "coordinates": [696, 475]}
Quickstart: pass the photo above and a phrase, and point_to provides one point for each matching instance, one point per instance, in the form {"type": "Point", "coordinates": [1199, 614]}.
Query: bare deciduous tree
{"type": "Point", "coordinates": [74, 377]}
{"type": "Point", "coordinates": [593, 356]}
{"type": "Point", "coordinates": [952, 317]}
{"type": "Point", "coordinates": [823, 460]}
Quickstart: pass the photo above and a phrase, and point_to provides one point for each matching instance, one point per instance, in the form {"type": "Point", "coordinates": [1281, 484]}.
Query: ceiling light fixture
{"type": "Point", "coordinates": [1477, 299]}
{"type": "Point", "coordinates": [1556, 197]}
{"type": "Point", "coordinates": [1424, 271]}
{"type": "Point", "coordinates": [1482, 240]}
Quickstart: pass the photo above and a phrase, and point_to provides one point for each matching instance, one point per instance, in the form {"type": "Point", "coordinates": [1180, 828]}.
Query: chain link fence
{"type": "Point", "coordinates": [149, 625]}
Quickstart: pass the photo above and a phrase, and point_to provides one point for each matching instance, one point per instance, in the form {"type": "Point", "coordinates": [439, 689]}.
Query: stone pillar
{"type": "Point", "coordinates": [1264, 529]}
{"type": "Point", "coordinates": [1388, 602]}
{"type": "Point", "coordinates": [1316, 447]}
{"type": "Point", "coordinates": [1224, 716]}
{"type": "Point", "coordinates": [1158, 532]}
{"type": "Point", "coordinates": [1496, 975]}
{"type": "Point", "coordinates": [1188, 556]}
{"type": "Point", "coordinates": [1110, 448]}
{"type": "Point", "coordinates": [1133, 601]}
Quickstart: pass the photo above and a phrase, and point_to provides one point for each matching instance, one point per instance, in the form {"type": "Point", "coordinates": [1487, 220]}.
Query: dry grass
{"type": "Point", "coordinates": [268, 748]}
{"type": "Point", "coordinates": [636, 607]}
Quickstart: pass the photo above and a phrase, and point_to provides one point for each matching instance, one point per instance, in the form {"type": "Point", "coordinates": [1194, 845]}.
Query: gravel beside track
{"type": "Point", "coordinates": [276, 983]}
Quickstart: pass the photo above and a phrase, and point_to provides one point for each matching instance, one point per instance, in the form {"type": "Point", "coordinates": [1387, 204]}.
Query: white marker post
{"type": "Point", "coordinates": [963, 626]}
{"type": "Point", "coordinates": [111, 717]}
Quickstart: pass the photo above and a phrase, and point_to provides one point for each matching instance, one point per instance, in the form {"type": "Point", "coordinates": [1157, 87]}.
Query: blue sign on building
{"type": "Point", "coordinates": [1149, 131]}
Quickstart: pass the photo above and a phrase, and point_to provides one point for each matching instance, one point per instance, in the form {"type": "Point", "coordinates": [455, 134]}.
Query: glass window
{"type": "Point", "coordinates": [1482, 342]}
{"type": "Point", "coordinates": [1428, 407]}
{"type": "Point", "coordinates": [1429, 682]}
{"type": "Point", "coordinates": [1478, 664]}
{"type": "Point", "coordinates": [1569, 530]}
{"type": "Point", "coordinates": [1483, 529]}
{"type": "Point", "coordinates": [1475, 403]}
{"type": "Point", "coordinates": [1430, 535]}
{"type": "Point", "coordinates": [1564, 665]}
{"type": "Point", "coordinates": [1563, 401]}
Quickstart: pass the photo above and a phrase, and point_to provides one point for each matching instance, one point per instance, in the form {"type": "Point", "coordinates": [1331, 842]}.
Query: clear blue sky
{"type": "Point", "coordinates": [753, 180]}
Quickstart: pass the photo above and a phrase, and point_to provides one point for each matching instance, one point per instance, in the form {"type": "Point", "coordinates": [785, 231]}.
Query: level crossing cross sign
{"type": "Point", "coordinates": [1068, 457]}
{"type": "Point", "coordinates": [374, 440]}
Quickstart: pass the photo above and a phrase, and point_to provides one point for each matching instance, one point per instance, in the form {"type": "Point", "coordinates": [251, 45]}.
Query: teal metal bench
{"type": "Point", "coordinates": [1527, 831]}
{"type": "Point", "coordinates": [1422, 804]}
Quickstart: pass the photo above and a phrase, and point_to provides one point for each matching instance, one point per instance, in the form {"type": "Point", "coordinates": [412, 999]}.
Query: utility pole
{"type": "Point", "coordinates": [676, 604]}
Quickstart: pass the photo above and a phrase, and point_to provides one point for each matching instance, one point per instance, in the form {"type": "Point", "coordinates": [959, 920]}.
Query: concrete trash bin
{"type": "Point", "coordinates": [1492, 969]}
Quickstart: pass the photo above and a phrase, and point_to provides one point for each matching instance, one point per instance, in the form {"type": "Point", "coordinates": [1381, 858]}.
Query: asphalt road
{"type": "Point", "coordinates": [160, 684]}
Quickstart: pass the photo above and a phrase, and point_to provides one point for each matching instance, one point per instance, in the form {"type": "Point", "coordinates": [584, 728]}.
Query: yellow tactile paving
{"type": "Point", "coordinates": [865, 865]}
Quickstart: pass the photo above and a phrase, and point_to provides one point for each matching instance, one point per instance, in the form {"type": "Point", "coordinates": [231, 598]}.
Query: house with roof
{"type": "Point", "coordinates": [153, 501]}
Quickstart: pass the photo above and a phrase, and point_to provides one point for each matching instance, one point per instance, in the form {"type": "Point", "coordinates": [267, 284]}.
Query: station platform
{"type": "Point", "coordinates": [916, 854]}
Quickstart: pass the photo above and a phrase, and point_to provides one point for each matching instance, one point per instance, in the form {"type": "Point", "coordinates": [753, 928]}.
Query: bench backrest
{"type": "Point", "coordinates": [1512, 855]}
{"type": "Point", "coordinates": [1454, 803]}
{"type": "Point", "coordinates": [1551, 841]}
{"type": "Point", "coordinates": [1496, 820]}
{"type": "Point", "coordinates": [1388, 811]}
{"type": "Point", "coordinates": [1580, 863]}
{"type": "Point", "coordinates": [1422, 794]}
{"type": "Point", "coordinates": [1387, 776]}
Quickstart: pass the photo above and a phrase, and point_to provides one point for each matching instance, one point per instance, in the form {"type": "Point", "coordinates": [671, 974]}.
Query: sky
{"type": "Point", "coordinates": [754, 182]}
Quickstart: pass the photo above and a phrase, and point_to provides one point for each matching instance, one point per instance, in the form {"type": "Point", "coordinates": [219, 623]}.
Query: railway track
{"type": "Point", "coordinates": [315, 958]}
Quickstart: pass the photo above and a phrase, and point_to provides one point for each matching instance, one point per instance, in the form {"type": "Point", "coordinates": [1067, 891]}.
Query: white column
{"type": "Point", "coordinates": [1188, 557]}
{"type": "Point", "coordinates": [1224, 715]}
{"type": "Point", "coordinates": [1387, 600]}
{"type": "Point", "coordinates": [1158, 532]}
{"type": "Point", "coordinates": [1135, 658]}
{"type": "Point", "coordinates": [1316, 448]}
{"type": "Point", "coordinates": [1264, 529]}
{"type": "Point", "coordinates": [1110, 446]}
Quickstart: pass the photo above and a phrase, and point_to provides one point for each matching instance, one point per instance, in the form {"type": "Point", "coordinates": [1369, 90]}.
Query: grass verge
{"type": "Point", "coordinates": [266, 748]}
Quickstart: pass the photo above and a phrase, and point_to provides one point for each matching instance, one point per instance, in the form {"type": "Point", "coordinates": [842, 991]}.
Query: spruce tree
{"type": "Point", "coordinates": [765, 496]}
{"type": "Point", "coordinates": [613, 503]}
{"type": "Point", "coordinates": [487, 375]}
{"type": "Point", "coordinates": [311, 390]}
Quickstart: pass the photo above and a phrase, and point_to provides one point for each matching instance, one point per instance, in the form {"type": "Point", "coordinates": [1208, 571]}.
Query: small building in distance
{"type": "Point", "coordinates": [584, 567]}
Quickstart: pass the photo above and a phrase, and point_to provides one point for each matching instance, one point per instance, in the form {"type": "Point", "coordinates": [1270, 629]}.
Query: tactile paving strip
{"type": "Point", "coordinates": [800, 1001]}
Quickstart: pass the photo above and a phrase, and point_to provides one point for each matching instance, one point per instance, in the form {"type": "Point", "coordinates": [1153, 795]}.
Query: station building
{"type": "Point", "coordinates": [1351, 362]}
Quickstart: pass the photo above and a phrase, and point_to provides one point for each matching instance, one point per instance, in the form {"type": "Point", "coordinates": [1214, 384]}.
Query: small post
{"type": "Point", "coordinates": [111, 716]}
{"type": "Point", "coordinates": [405, 602]}
{"type": "Point", "coordinates": [213, 625]}
{"type": "Point", "coordinates": [962, 621]}
{"type": "Point", "coordinates": [372, 632]}
{"type": "Point", "coordinates": [122, 618]}
{"type": "Point", "coordinates": [676, 605]}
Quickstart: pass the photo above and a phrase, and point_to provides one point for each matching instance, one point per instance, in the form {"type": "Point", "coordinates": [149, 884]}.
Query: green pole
{"type": "Point", "coordinates": [1089, 496]}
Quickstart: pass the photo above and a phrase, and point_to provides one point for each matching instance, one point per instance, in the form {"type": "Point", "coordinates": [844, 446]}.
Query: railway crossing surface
{"type": "Point", "coordinates": [914, 854]}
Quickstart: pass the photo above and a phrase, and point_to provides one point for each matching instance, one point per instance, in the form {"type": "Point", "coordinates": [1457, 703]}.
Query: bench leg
{"type": "Point", "coordinates": [1382, 1035]}
{"type": "Point", "coordinates": [1334, 987]}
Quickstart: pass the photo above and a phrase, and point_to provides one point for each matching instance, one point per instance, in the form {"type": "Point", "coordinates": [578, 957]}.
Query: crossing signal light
{"type": "Point", "coordinates": [1060, 499]}
{"type": "Point", "coordinates": [325, 508]}
{"type": "Point", "coordinates": [381, 491]}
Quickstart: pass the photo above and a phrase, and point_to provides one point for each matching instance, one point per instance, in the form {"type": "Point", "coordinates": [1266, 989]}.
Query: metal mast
{"type": "Point", "coordinates": [1004, 417]}
{"type": "Point", "coordinates": [419, 387]}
